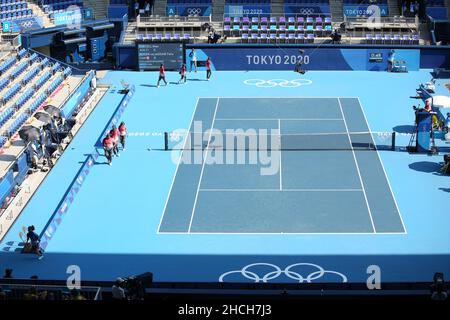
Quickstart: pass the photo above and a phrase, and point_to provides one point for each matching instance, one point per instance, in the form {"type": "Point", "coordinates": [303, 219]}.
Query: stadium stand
{"type": "Point", "coordinates": [52, 7]}
{"type": "Point", "coordinates": [300, 21]}
{"type": "Point", "coordinates": [28, 79]}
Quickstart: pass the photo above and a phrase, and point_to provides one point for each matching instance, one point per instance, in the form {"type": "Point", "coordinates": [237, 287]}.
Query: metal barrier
{"type": "Point", "coordinates": [16, 291]}
{"type": "Point", "coordinates": [158, 19]}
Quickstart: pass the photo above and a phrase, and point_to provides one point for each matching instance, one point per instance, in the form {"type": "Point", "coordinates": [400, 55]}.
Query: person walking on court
{"type": "Point", "coordinates": [182, 74]}
{"type": "Point", "coordinates": [162, 75]}
{"type": "Point", "coordinates": [123, 134]}
{"type": "Point", "coordinates": [193, 57]}
{"type": "Point", "coordinates": [115, 135]}
{"type": "Point", "coordinates": [108, 145]}
{"type": "Point", "coordinates": [208, 68]}
{"type": "Point", "coordinates": [35, 242]}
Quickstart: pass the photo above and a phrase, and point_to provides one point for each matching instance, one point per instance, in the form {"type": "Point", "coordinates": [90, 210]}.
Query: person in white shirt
{"type": "Point", "coordinates": [118, 292]}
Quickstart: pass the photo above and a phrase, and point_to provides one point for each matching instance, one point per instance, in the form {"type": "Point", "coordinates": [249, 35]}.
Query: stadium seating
{"type": "Point", "coordinates": [17, 124]}
{"type": "Point", "coordinates": [14, 9]}
{"type": "Point", "coordinates": [27, 81]}
{"type": "Point", "coordinates": [3, 141]}
{"type": "Point", "coordinates": [293, 29]}
{"type": "Point", "coordinates": [7, 64]}
{"type": "Point", "coordinates": [6, 115]}
{"type": "Point", "coordinates": [55, 6]}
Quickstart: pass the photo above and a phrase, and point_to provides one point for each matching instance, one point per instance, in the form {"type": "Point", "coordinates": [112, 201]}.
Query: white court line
{"type": "Point", "coordinates": [385, 174]}
{"type": "Point", "coordinates": [357, 168]}
{"type": "Point", "coordinates": [178, 166]}
{"type": "Point", "coordinates": [283, 190]}
{"type": "Point", "coordinates": [284, 233]}
{"type": "Point", "coordinates": [281, 170]}
{"type": "Point", "coordinates": [275, 97]}
{"type": "Point", "coordinates": [282, 119]}
{"type": "Point", "coordinates": [203, 165]}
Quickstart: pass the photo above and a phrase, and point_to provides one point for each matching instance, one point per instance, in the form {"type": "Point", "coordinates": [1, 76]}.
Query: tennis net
{"type": "Point", "coordinates": [282, 142]}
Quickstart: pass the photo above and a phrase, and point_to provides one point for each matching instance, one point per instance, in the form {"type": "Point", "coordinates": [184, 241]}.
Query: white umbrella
{"type": "Point", "coordinates": [442, 102]}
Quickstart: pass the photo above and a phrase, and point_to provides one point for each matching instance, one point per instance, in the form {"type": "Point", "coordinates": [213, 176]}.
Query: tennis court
{"type": "Point", "coordinates": [323, 178]}
{"type": "Point", "coordinates": [335, 195]}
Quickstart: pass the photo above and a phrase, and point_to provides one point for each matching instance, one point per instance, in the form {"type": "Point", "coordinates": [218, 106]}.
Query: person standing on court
{"type": "Point", "coordinates": [123, 134]}
{"type": "Point", "coordinates": [193, 57]}
{"type": "Point", "coordinates": [162, 75]}
{"type": "Point", "coordinates": [115, 135]}
{"type": "Point", "coordinates": [108, 145]}
{"type": "Point", "coordinates": [182, 73]}
{"type": "Point", "coordinates": [208, 68]}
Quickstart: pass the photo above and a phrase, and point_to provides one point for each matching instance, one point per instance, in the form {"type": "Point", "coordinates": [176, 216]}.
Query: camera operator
{"type": "Point", "coordinates": [135, 289]}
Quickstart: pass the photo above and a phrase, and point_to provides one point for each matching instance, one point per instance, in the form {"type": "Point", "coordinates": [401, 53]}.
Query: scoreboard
{"type": "Point", "coordinates": [376, 57]}
{"type": "Point", "coordinates": [151, 55]}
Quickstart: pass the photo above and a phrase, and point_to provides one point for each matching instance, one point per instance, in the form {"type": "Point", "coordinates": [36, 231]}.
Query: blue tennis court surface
{"type": "Point", "coordinates": [333, 208]}
{"type": "Point", "coordinates": [309, 191]}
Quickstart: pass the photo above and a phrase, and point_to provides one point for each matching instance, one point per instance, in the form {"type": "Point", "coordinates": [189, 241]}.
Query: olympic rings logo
{"type": "Point", "coordinates": [27, 24]}
{"type": "Point", "coordinates": [277, 83]}
{"type": "Point", "coordinates": [288, 272]}
{"type": "Point", "coordinates": [307, 11]}
{"type": "Point", "coordinates": [194, 11]}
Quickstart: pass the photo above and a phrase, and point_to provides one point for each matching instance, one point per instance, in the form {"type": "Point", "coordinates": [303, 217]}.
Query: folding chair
{"type": "Point", "coordinates": [263, 38]}
{"type": "Point", "coordinates": [273, 38]}
{"type": "Point", "coordinates": [291, 38]}
{"type": "Point", "coordinates": [254, 38]}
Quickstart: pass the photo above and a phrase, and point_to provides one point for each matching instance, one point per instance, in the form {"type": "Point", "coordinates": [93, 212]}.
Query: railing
{"type": "Point", "coordinates": [140, 20]}
{"type": "Point", "coordinates": [286, 15]}
{"type": "Point", "coordinates": [384, 21]}
{"type": "Point", "coordinates": [15, 207]}
{"type": "Point", "coordinates": [18, 291]}
{"type": "Point", "coordinates": [13, 40]}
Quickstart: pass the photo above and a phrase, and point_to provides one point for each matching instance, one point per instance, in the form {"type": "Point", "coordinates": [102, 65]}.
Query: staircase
{"type": "Point", "coordinates": [100, 8]}
{"type": "Point", "coordinates": [394, 8]}
{"type": "Point", "coordinates": [160, 7]}
{"type": "Point", "coordinates": [40, 13]}
{"type": "Point", "coordinates": [218, 10]}
{"type": "Point", "coordinates": [337, 8]}
{"type": "Point", "coordinates": [277, 7]}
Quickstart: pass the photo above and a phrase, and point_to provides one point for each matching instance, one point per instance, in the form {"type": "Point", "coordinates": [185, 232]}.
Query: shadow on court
{"type": "Point", "coordinates": [426, 166]}
{"type": "Point", "coordinates": [404, 129]}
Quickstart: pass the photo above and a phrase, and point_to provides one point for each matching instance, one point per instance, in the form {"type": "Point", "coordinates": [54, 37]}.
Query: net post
{"type": "Point", "coordinates": [166, 141]}
{"type": "Point", "coordinates": [393, 141]}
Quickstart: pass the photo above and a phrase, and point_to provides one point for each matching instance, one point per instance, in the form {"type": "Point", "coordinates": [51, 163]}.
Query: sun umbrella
{"type": "Point", "coordinates": [43, 117]}
{"type": "Point", "coordinates": [442, 102]}
{"type": "Point", "coordinates": [30, 133]}
{"type": "Point", "coordinates": [52, 110]}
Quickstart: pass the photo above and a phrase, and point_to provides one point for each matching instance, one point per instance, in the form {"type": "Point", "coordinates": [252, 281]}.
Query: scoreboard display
{"type": "Point", "coordinates": [151, 55]}
{"type": "Point", "coordinates": [376, 57]}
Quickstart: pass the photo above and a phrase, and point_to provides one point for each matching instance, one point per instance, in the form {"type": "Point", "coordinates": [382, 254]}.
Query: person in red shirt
{"type": "Point", "coordinates": [108, 145]}
{"type": "Point", "coordinates": [123, 134]}
{"type": "Point", "coordinates": [427, 106]}
{"type": "Point", "coordinates": [162, 75]}
{"type": "Point", "coordinates": [183, 73]}
{"type": "Point", "coordinates": [115, 135]}
{"type": "Point", "coordinates": [208, 68]}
